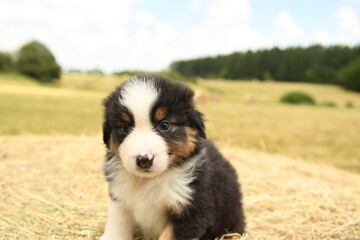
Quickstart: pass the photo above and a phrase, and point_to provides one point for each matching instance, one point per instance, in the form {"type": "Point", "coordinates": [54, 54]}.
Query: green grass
{"type": "Point", "coordinates": [245, 114]}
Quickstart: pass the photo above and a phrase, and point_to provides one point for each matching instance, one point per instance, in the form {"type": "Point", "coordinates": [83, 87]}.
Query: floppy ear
{"type": "Point", "coordinates": [106, 132]}
{"type": "Point", "coordinates": [108, 103]}
{"type": "Point", "coordinates": [198, 122]}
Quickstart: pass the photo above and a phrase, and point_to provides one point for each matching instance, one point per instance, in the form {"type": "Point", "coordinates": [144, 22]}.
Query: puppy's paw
{"type": "Point", "coordinates": [167, 233]}
{"type": "Point", "coordinates": [113, 237]}
{"type": "Point", "coordinates": [106, 237]}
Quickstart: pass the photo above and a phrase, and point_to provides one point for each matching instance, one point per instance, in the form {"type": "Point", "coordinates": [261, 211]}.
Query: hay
{"type": "Point", "coordinates": [53, 188]}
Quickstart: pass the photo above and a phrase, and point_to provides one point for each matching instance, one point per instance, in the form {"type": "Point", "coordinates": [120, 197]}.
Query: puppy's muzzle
{"type": "Point", "coordinates": [144, 162]}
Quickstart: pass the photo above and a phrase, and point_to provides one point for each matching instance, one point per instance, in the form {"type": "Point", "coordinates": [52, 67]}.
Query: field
{"type": "Point", "coordinates": [241, 114]}
{"type": "Point", "coordinates": [299, 165]}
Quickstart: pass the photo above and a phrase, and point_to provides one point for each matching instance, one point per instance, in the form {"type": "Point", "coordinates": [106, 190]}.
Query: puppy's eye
{"type": "Point", "coordinates": [124, 129]}
{"type": "Point", "coordinates": [164, 126]}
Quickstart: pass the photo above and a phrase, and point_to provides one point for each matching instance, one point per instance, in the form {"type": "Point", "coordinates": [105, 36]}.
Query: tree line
{"type": "Point", "coordinates": [315, 64]}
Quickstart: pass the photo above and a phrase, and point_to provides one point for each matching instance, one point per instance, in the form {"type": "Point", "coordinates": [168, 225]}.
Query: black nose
{"type": "Point", "coordinates": [144, 162]}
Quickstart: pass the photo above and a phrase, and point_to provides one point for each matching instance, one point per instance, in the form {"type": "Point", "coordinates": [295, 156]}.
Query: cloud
{"type": "Point", "coordinates": [223, 12]}
{"type": "Point", "coordinates": [222, 31]}
{"type": "Point", "coordinates": [348, 28]}
{"type": "Point", "coordinates": [286, 26]}
{"type": "Point", "coordinates": [144, 18]}
{"type": "Point", "coordinates": [82, 33]}
{"type": "Point", "coordinates": [211, 40]}
{"type": "Point", "coordinates": [348, 21]}
{"type": "Point", "coordinates": [155, 48]}
{"type": "Point", "coordinates": [196, 4]}
{"type": "Point", "coordinates": [225, 29]}
{"type": "Point", "coordinates": [322, 37]}
{"type": "Point", "coordinates": [87, 33]}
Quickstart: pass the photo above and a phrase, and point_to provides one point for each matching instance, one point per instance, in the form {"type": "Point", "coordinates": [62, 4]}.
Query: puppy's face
{"type": "Point", "coordinates": [151, 124]}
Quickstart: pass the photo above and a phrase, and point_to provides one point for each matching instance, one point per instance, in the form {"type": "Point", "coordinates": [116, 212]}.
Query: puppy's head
{"type": "Point", "coordinates": [152, 125]}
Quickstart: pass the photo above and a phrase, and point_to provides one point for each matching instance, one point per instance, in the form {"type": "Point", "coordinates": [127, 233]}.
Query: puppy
{"type": "Point", "coordinates": [165, 179]}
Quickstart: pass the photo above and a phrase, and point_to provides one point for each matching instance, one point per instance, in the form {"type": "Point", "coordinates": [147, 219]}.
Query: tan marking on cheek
{"type": "Point", "coordinates": [113, 146]}
{"type": "Point", "coordinates": [125, 117]}
{"type": "Point", "coordinates": [167, 233]}
{"type": "Point", "coordinates": [160, 114]}
{"type": "Point", "coordinates": [190, 140]}
{"type": "Point", "coordinates": [183, 149]}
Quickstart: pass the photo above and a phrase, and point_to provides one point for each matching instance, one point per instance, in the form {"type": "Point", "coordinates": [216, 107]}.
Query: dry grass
{"type": "Point", "coordinates": [53, 188]}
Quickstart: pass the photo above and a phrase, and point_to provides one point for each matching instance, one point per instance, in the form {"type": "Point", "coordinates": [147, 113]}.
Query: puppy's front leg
{"type": "Point", "coordinates": [120, 224]}
{"type": "Point", "coordinates": [167, 233]}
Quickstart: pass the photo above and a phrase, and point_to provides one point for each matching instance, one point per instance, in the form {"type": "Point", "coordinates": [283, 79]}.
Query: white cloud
{"type": "Point", "coordinates": [88, 33]}
{"type": "Point", "coordinates": [225, 29]}
{"type": "Point", "coordinates": [154, 49]}
{"type": "Point", "coordinates": [219, 32]}
{"type": "Point", "coordinates": [344, 40]}
{"type": "Point", "coordinates": [196, 4]}
{"type": "Point", "coordinates": [210, 40]}
{"type": "Point", "coordinates": [286, 27]}
{"type": "Point", "coordinates": [322, 37]}
{"type": "Point", "coordinates": [166, 33]}
{"type": "Point", "coordinates": [223, 12]}
{"type": "Point", "coordinates": [144, 18]}
{"type": "Point", "coordinates": [143, 35]}
{"type": "Point", "coordinates": [82, 34]}
{"type": "Point", "coordinates": [348, 21]}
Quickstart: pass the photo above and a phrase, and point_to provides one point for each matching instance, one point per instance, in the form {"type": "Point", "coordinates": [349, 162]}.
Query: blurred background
{"type": "Point", "coordinates": [273, 77]}
{"type": "Point", "coordinates": [266, 49]}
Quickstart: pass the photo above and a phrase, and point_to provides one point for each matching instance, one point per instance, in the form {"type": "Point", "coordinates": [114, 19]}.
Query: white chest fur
{"type": "Point", "coordinates": [150, 199]}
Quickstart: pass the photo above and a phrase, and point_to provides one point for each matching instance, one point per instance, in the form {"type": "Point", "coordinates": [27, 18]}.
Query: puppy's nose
{"type": "Point", "coordinates": [144, 161]}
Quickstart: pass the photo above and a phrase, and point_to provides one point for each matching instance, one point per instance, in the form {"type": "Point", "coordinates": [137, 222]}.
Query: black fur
{"type": "Point", "coordinates": [216, 207]}
{"type": "Point", "coordinates": [112, 120]}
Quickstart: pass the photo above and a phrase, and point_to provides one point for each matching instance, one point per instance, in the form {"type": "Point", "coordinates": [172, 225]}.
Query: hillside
{"type": "Point", "coordinates": [248, 114]}
{"type": "Point", "coordinates": [52, 187]}
{"type": "Point", "coordinates": [244, 114]}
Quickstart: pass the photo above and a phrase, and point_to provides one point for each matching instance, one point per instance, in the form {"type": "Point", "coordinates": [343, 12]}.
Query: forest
{"type": "Point", "coordinates": [315, 64]}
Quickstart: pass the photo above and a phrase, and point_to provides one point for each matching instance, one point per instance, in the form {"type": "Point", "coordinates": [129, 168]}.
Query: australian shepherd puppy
{"type": "Point", "coordinates": [165, 179]}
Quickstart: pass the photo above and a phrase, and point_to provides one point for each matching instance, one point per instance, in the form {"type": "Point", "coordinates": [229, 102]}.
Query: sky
{"type": "Point", "coordinates": [115, 35]}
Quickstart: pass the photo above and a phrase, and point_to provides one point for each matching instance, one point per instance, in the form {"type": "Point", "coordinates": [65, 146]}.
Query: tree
{"type": "Point", "coordinates": [350, 76]}
{"type": "Point", "coordinates": [6, 62]}
{"type": "Point", "coordinates": [35, 60]}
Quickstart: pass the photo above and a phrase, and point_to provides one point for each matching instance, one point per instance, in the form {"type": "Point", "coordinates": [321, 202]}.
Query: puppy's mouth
{"type": "Point", "coordinates": [146, 173]}
{"type": "Point", "coordinates": [143, 170]}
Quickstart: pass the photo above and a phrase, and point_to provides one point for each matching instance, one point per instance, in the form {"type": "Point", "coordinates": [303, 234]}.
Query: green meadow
{"type": "Point", "coordinates": [244, 114]}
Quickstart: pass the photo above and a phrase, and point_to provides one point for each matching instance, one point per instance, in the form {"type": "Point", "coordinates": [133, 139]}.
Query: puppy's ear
{"type": "Point", "coordinates": [106, 133]}
{"type": "Point", "coordinates": [108, 104]}
{"type": "Point", "coordinates": [198, 122]}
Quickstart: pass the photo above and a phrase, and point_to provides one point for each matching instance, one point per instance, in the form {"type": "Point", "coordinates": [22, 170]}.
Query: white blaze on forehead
{"type": "Point", "coordinates": [139, 96]}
